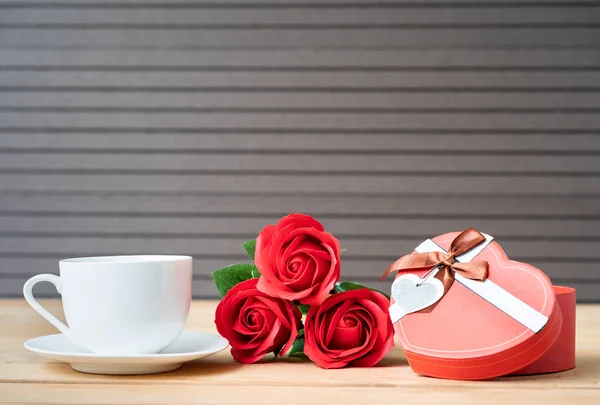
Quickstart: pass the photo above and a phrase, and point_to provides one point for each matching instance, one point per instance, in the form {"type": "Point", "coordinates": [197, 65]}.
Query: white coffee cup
{"type": "Point", "coordinates": [120, 305]}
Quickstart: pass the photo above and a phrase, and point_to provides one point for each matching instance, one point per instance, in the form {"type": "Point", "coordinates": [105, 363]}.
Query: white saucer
{"type": "Point", "coordinates": [190, 345]}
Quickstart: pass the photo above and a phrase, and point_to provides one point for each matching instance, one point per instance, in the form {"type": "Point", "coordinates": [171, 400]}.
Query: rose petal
{"type": "Point", "coordinates": [348, 333]}
{"type": "Point", "coordinates": [334, 319]}
{"type": "Point", "coordinates": [269, 283]}
{"type": "Point", "coordinates": [352, 354]}
{"type": "Point", "coordinates": [380, 318]}
{"type": "Point", "coordinates": [318, 294]}
{"type": "Point", "coordinates": [292, 245]}
{"type": "Point", "coordinates": [303, 279]}
{"type": "Point", "coordinates": [299, 221]}
{"type": "Point", "coordinates": [280, 290]}
{"type": "Point", "coordinates": [294, 268]}
{"type": "Point", "coordinates": [263, 239]}
{"type": "Point", "coordinates": [267, 344]}
{"type": "Point", "coordinates": [246, 356]}
{"type": "Point", "coordinates": [295, 318]}
{"type": "Point", "coordinates": [275, 309]}
{"type": "Point", "coordinates": [375, 355]}
{"type": "Point", "coordinates": [331, 277]}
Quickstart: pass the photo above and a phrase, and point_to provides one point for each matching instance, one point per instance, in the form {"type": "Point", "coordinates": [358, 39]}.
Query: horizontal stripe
{"type": "Point", "coordinates": [408, 206]}
{"type": "Point", "coordinates": [406, 152]}
{"type": "Point", "coordinates": [302, 184]}
{"type": "Point", "coordinates": [247, 226]}
{"type": "Point", "coordinates": [361, 249]}
{"type": "Point", "coordinates": [236, 4]}
{"type": "Point", "coordinates": [298, 80]}
{"type": "Point", "coordinates": [379, 16]}
{"type": "Point", "coordinates": [544, 47]}
{"type": "Point", "coordinates": [307, 101]}
{"type": "Point", "coordinates": [243, 258]}
{"type": "Point", "coordinates": [301, 58]}
{"type": "Point", "coordinates": [336, 164]}
{"type": "Point", "coordinates": [302, 38]}
{"type": "Point", "coordinates": [276, 194]}
{"type": "Point", "coordinates": [175, 68]}
{"type": "Point", "coordinates": [306, 110]}
{"type": "Point", "coordinates": [244, 133]}
{"type": "Point", "coordinates": [248, 236]}
{"type": "Point", "coordinates": [296, 121]}
{"type": "Point", "coordinates": [303, 89]}
{"type": "Point", "coordinates": [275, 215]}
{"type": "Point", "coordinates": [295, 26]}
{"type": "Point", "coordinates": [304, 172]}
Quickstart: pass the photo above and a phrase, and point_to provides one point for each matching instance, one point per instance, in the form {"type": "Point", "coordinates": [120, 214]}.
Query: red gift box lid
{"type": "Point", "coordinates": [465, 337]}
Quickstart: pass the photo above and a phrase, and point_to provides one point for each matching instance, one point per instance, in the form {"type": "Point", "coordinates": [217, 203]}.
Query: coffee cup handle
{"type": "Point", "coordinates": [28, 293]}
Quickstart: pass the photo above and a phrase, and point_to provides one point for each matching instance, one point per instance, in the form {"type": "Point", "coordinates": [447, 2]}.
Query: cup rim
{"type": "Point", "coordinates": [126, 259]}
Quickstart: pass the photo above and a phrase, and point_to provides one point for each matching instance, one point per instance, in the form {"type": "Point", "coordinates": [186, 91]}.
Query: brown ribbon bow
{"type": "Point", "coordinates": [464, 242]}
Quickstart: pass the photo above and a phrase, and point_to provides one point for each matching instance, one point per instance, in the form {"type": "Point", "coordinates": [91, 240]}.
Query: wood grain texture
{"type": "Point", "coordinates": [186, 126]}
{"type": "Point", "coordinates": [27, 378]}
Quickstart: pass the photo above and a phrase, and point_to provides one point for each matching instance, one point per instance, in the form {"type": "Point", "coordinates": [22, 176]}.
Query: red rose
{"type": "Point", "coordinates": [351, 328]}
{"type": "Point", "coordinates": [256, 324]}
{"type": "Point", "coordinates": [297, 260]}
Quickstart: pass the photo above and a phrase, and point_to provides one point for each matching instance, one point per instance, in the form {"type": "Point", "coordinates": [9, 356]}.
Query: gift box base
{"type": "Point", "coordinates": [500, 364]}
{"type": "Point", "coordinates": [561, 356]}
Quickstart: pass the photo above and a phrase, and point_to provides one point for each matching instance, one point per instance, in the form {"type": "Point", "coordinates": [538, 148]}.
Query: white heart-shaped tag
{"type": "Point", "coordinates": [409, 298]}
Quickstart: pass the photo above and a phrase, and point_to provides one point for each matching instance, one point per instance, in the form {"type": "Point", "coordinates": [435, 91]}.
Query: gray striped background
{"type": "Point", "coordinates": [184, 127]}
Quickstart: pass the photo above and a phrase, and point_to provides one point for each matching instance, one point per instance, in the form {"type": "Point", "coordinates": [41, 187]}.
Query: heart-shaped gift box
{"type": "Point", "coordinates": [466, 337]}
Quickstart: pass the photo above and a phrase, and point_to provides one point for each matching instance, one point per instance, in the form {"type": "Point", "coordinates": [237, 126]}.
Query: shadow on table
{"type": "Point", "coordinates": [393, 362]}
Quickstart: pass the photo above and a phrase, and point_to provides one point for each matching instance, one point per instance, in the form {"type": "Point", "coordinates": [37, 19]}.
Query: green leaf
{"type": "Point", "coordinates": [304, 309]}
{"type": "Point", "coordinates": [344, 286]}
{"type": "Point", "coordinates": [255, 273]}
{"type": "Point", "coordinates": [250, 248]}
{"type": "Point", "coordinates": [297, 349]}
{"type": "Point", "coordinates": [342, 251]}
{"type": "Point", "coordinates": [229, 276]}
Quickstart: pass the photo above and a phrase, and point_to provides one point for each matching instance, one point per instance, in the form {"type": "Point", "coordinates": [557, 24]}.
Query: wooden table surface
{"type": "Point", "coordinates": [28, 378]}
